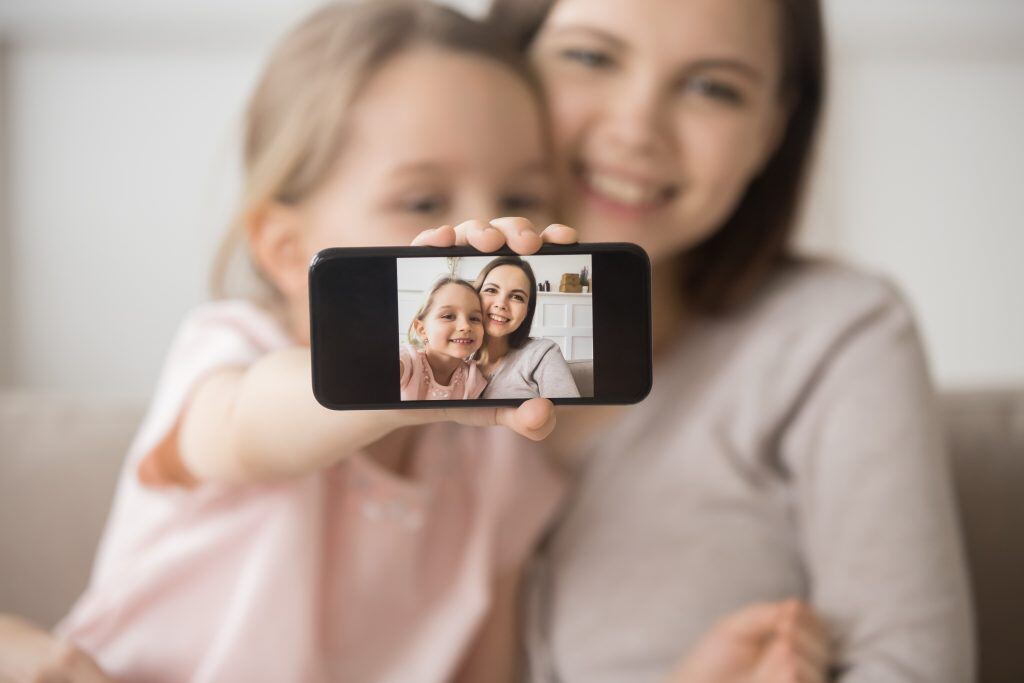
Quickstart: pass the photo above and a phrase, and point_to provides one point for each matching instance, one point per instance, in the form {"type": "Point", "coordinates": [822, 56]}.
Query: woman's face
{"type": "Point", "coordinates": [505, 295]}
{"type": "Point", "coordinates": [664, 111]}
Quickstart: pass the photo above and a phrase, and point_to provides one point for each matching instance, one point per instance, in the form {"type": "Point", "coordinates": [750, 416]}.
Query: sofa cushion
{"type": "Point", "coordinates": [59, 459]}
{"type": "Point", "coordinates": [986, 436]}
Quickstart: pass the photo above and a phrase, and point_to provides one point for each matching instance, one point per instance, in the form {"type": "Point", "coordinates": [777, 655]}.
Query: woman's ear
{"type": "Point", "coordinates": [275, 239]}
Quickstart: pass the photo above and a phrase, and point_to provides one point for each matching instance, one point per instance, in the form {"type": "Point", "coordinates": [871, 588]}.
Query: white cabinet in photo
{"type": "Point", "coordinates": [568, 320]}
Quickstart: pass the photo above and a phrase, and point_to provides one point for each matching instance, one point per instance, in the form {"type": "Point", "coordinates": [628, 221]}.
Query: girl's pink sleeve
{"type": "Point", "coordinates": [216, 336]}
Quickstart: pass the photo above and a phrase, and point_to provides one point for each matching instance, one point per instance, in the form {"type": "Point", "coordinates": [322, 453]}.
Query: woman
{"type": "Point", "coordinates": [515, 364]}
{"type": "Point", "coordinates": [790, 446]}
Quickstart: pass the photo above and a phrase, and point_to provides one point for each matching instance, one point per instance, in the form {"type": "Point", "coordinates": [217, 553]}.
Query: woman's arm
{"type": "Point", "coordinates": [875, 508]}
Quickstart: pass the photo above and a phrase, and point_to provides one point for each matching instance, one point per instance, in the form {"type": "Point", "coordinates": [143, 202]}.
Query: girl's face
{"type": "Point", "coordinates": [453, 326]}
{"type": "Point", "coordinates": [664, 111]}
{"type": "Point", "coordinates": [435, 138]}
{"type": "Point", "coordinates": [505, 296]}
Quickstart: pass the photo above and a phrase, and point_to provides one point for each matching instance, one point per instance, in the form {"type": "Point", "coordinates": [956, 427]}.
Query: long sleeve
{"type": "Point", "coordinates": [875, 508]}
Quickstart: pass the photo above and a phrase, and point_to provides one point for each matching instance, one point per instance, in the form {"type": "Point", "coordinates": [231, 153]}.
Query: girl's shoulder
{"type": "Point", "coordinates": [231, 322]}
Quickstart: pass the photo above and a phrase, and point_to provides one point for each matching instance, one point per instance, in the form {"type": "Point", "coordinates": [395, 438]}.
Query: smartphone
{"type": "Point", "coordinates": [384, 321]}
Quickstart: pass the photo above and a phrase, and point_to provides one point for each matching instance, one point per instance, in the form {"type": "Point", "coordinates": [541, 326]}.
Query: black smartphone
{"type": "Point", "coordinates": [426, 327]}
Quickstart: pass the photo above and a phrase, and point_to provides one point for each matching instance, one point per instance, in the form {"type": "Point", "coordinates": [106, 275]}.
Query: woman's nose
{"type": "Point", "coordinates": [635, 122]}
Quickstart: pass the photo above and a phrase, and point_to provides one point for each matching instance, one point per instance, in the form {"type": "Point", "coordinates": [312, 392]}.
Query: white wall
{"type": "Point", "coordinates": [119, 122]}
{"type": "Point", "coordinates": [418, 274]}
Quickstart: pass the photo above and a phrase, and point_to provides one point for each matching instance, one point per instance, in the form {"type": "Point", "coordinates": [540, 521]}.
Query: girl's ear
{"type": "Point", "coordinates": [275, 239]}
{"type": "Point", "coordinates": [421, 331]}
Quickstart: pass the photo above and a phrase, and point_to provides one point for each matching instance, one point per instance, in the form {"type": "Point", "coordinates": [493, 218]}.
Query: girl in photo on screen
{"type": "Point", "coordinates": [437, 364]}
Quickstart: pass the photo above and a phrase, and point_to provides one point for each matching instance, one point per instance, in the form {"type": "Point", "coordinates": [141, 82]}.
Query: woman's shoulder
{"type": "Point", "coordinates": [826, 294]}
{"type": "Point", "coordinates": [808, 316]}
{"type": "Point", "coordinates": [536, 349]}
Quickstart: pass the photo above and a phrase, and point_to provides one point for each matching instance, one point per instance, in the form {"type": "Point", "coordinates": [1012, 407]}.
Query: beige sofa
{"type": "Point", "coordinates": [59, 458]}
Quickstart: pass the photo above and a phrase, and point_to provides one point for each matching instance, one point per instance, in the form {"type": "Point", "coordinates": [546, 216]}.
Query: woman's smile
{"type": "Point", "coordinates": [624, 190]}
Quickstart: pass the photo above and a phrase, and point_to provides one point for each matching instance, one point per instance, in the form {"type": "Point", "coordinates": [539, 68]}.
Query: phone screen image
{"type": "Point", "coordinates": [423, 327]}
{"type": "Point", "coordinates": [535, 312]}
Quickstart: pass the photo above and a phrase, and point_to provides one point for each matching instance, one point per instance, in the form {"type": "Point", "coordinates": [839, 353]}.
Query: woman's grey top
{"type": "Point", "coordinates": [535, 369]}
{"type": "Point", "coordinates": [790, 449]}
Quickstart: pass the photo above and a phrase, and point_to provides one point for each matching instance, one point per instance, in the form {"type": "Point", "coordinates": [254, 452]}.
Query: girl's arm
{"type": "Point", "coordinates": [263, 423]}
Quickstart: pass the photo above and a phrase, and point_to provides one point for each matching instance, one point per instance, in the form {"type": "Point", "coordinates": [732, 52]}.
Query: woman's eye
{"type": "Point", "coordinates": [518, 297]}
{"type": "Point", "coordinates": [592, 59]}
{"type": "Point", "coordinates": [715, 90]}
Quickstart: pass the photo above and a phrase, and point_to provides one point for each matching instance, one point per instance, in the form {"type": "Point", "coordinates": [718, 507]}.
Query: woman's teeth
{"type": "Point", "coordinates": [498, 318]}
{"type": "Point", "coordinates": [625, 191]}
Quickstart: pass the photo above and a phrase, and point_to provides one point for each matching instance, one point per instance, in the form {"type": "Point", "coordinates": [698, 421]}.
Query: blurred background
{"type": "Point", "coordinates": [118, 169]}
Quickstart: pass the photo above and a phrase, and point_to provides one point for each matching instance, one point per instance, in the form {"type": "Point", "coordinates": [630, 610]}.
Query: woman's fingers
{"type": "Point", "coordinates": [556, 233]}
{"type": "Point", "coordinates": [444, 236]}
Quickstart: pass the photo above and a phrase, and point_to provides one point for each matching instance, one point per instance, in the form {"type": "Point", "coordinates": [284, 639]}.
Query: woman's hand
{"type": "Point", "coordinates": [779, 642]}
{"type": "Point", "coordinates": [31, 655]}
{"type": "Point", "coordinates": [534, 419]}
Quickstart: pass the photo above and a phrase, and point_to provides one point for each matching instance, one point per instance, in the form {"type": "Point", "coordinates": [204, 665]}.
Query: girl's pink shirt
{"type": "Point", "coordinates": [349, 574]}
{"type": "Point", "coordinates": [418, 383]}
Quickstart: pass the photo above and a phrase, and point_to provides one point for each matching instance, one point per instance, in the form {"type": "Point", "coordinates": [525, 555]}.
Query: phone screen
{"type": "Point", "coordinates": [426, 327]}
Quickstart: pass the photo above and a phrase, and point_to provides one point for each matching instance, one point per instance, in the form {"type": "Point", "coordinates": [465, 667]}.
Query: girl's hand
{"type": "Point", "coordinates": [518, 233]}
{"type": "Point", "coordinates": [31, 655]}
{"type": "Point", "coordinates": [781, 642]}
{"type": "Point", "coordinates": [534, 419]}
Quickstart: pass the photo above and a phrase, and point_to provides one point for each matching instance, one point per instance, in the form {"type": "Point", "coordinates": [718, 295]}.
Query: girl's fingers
{"type": "Point", "coordinates": [520, 234]}
{"type": "Point", "coordinates": [479, 235]}
{"type": "Point", "coordinates": [534, 419]}
{"type": "Point", "coordinates": [436, 237]}
{"type": "Point", "coordinates": [556, 233]}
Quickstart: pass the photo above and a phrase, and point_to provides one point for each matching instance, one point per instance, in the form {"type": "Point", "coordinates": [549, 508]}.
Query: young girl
{"type": "Point", "coordinates": [437, 364]}
{"type": "Point", "coordinates": [256, 536]}
{"type": "Point", "coordinates": [259, 537]}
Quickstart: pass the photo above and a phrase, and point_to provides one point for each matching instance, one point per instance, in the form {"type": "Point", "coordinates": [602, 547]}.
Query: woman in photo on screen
{"type": "Point", "coordinates": [515, 364]}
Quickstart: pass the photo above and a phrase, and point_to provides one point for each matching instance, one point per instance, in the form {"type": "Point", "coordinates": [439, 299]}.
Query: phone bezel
{"type": "Point", "coordinates": [636, 317]}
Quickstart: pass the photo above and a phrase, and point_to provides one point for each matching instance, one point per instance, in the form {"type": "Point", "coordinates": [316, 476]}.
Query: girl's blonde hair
{"type": "Point", "coordinates": [428, 303]}
{"type": "Point", "coordinates": [295, 122]}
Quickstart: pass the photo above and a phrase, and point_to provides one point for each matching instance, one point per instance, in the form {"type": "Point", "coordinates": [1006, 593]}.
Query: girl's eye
{"type": "Point", "coordinates": [717, 90]}
{"type": "Point", "coordinates": [424, 205]}
{"type": "Point", "coordinates": [518, 297]}
{"type": "Point", "coordinates": [592, 59]}
{"type": "Point", "coordinates": [522, 202]}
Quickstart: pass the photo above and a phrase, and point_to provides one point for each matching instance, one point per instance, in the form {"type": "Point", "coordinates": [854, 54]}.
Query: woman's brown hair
{"type": "Point", "coordinates": [723, 271]}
